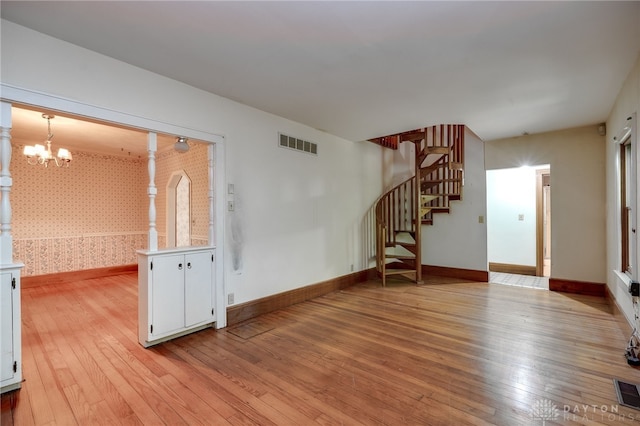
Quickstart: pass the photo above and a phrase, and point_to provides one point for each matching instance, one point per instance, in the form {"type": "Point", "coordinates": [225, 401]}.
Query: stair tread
{"type": "Point", "coordinates": [399, 252]}
{"type": "Point", "coordinates": [405, 238]}
{"type": "Point", "coordinates": [412, 136]}
{"type": "Point", "coordinates": [437, 149]}
{"type": "Point", "coordinates": [400, 256]}
{"type": "Point", "coordinates": [399, 271]}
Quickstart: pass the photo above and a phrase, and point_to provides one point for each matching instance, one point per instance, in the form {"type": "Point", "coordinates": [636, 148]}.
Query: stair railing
{"type": "Point", "coordinates": [397, 209]}
{"type": "Point", "coordinates": [395, 212]}
{"type": "Point", "coordinates": [444, 176]}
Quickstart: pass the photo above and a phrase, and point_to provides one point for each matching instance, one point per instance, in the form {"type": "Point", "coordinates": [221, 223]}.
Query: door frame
{"type": "Point", "coordinates": [26, 97]}
{"type": "Point", "coordinates": [540, 213]}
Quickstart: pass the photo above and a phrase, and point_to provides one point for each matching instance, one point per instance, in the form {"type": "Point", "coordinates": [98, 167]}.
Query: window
{"type": "Point", "coordinates": [625, 204]}
{"type": "Point", "coordinates": [628, 198]}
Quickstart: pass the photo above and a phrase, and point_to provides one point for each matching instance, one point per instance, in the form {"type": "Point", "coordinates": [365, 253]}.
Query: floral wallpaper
{"type": "Point", "coordinates": [51, 255]}
{"type": "Point", "coordinates": [195, 164]}
{"type": "Point", "coordinates": [94, 213]}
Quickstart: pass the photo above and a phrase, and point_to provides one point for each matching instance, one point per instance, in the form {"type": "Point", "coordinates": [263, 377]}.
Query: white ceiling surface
{"type": "Point", "coordinates": [365, 69]}
{"type": "Point", "coordinates": [29, 128]}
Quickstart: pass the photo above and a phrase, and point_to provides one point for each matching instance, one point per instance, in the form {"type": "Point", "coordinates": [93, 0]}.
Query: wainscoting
{"type": "Point", "coordinates": [43, 256]}
{"type": "Point", "coordinates": [53, 255]}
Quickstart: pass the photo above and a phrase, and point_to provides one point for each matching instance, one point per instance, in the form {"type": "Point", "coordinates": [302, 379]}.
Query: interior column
{"type": "Point", "coordinates": [6, 239]}
{"type": "Point", "coordinates": [152, 191]}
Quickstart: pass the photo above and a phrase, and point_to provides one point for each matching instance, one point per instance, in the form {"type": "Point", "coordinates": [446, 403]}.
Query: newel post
{"type": "Point", "coordinates": [152, 191]}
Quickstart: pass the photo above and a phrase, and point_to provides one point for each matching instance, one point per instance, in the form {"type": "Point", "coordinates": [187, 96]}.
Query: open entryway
{"type": "Point", "coordinates": [519, 226]}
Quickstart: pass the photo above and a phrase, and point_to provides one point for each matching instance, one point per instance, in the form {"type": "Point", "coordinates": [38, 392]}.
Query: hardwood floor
{"type": "Point", "coordinates": [446, 352]}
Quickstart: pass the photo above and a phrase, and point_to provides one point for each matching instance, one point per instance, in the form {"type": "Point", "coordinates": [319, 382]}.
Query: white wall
{"type": "Point", "coordinates": [511, 216]}
{"type": "Point", "coordinates": [577, 161]}
{"type": "Point", "coordinates": [458, 239]}
{"type": "Point", "coordinates": [298, 218]}
{"type": "Point", "coordinates": [627, 103]}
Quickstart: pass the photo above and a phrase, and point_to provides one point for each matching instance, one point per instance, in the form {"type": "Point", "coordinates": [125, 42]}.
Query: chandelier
{"type": "Point", "coordinates": [39, 154]}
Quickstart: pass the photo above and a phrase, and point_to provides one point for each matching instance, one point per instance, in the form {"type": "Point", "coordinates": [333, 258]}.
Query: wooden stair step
{"type": "Point", "coordinates": [400, 257]}
{"type": "Point", "coordinates": [412, 137]}
{"type": "Point", "coordinates": [425, 198]}
{"type": "Point", "coordinates": [391, 271]}
{"type": "Point", "coordinates": [399, 252]}
{"type": "Point", "coordinates": [437, 150]}
{"type": "Point", "coordinates": [440, 210]}
{"type": "Point", "coordinates": [405, 238]}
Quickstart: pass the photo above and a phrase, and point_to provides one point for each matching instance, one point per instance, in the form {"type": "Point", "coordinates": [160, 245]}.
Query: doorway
{"type": "Point", "coordinates": [519, 226]}
{"type": "Point", "coordinates": [543, 222]}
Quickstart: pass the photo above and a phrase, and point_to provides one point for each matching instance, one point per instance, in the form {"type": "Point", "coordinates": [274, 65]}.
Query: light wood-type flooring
{"type": "Point", "coordinates": [442, 353]}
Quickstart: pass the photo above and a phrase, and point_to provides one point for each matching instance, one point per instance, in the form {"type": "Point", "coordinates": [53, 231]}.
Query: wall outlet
{"type": "Point", "coordinates": [520, 216]}
{"type": "Point", "coordinates": [480, 219]}
{"type": "Point", "coordinates": [352, 267]}
{"type": "Point", "coordinates": [230, 299]}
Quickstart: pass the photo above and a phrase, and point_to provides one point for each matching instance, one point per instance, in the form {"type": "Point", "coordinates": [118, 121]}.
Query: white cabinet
{"type": "Point", "coordinates": [176, 293]}
{"type": "Point", "coordinates": [10, 358]}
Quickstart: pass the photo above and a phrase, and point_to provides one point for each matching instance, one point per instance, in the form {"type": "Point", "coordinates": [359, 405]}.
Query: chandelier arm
{"type": "Point", "coordinates": [39, 154]}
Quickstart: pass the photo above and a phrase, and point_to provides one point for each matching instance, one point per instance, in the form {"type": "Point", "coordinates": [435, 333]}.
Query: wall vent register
{"type": "Point", "coordinates": [290, 142]}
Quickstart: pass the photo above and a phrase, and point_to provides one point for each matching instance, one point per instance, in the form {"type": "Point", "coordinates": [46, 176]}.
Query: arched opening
{"type": "Point", "coordinates": [179, 210]}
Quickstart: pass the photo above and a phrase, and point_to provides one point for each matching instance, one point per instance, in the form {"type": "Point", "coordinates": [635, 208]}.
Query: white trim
{"type": "Point", "coordinates": [34, 98]}
{"type": "Point", "coordinates": [29, 97]}
{"type": "Point", "coordinates": [90, 235]}
{"type": "Point", "coordinates": [623, 276]}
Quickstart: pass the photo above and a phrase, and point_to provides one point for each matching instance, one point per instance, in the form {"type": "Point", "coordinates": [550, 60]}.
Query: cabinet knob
{"type": "Point", "coordinates": [180, 266]}
{"type": "Point", "coordinates": [189, 265]}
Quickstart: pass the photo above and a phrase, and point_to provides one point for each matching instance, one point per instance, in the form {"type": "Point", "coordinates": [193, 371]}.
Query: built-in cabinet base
{"type": "Point", "coordinates": [10, 335]}
{"type": "Point", "coordinates": [176, 293]}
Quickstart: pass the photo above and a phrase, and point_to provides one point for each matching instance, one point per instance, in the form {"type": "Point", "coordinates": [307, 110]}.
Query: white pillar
{"type": "Point", "coordinates": [6, 239]}
{"type": "Point", "coordinates": [152, 191]}
{"type": "Point", "coordinates": [210, 152]}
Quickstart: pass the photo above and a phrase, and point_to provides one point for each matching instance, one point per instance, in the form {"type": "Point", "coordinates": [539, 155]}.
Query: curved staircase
{"type": "Point", "coordinates": [437, 180]}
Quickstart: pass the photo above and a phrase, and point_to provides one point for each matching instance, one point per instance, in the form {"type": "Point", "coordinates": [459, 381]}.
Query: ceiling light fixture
{"type": "Point", "coordinates": [181, 144]}
{"type": "Point", "coordinates": [39, 154]}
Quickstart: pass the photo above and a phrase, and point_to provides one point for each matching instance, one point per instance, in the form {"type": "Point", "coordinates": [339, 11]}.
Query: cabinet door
{"type": "Point", "coordinates": [167, 294]}
{"type": "Point", "coordinates": [6, 322]}
{"type": "Point", "coordinates": [198, 288]}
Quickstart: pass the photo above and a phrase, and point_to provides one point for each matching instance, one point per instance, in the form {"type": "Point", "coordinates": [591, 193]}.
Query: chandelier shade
{"type": "Point", "coordinates": [41, 154]}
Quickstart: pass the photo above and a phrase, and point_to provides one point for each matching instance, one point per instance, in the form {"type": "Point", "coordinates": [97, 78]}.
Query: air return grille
{"type": "Point", "coordinates": [298, 144]}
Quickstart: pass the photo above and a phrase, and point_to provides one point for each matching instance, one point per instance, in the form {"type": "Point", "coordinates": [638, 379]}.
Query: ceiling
{"type": "Point", "coordinates": [363, 69]}
{"type": "Point", "coordinates": [79, 134]}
